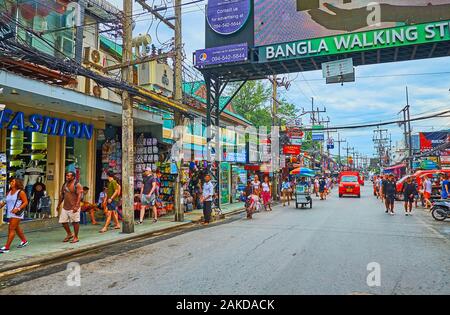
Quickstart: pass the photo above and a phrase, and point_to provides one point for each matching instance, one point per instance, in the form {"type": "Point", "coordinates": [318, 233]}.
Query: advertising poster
{"type": "Point", "coordinates": [225, 183]}
{"type": "Point", "coordinates": [432, 140]}
{"type": "Point", "coordinates": [306, 19]}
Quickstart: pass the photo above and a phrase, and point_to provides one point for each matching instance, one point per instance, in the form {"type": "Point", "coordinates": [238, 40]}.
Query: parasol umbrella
{"type": "Point", "coordinates": [303, 171]}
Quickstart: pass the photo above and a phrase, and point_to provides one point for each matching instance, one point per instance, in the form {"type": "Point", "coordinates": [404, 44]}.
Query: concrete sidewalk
{"type": "Point", "coordinates": [46, 245]}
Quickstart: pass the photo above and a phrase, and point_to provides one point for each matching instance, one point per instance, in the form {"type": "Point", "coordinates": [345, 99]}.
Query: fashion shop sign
{"type": "Point", "coordinates": [45, 124]}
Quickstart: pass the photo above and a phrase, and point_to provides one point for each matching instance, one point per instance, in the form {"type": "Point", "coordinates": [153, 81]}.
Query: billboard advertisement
{"type": "Point", "coordinates": [297, 20]}
{"type": "Point", "coordinates": [432, 140]}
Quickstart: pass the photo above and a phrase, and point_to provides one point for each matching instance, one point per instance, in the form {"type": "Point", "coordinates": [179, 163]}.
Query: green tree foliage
{"type": "Point", "coordinates": [254, 102]}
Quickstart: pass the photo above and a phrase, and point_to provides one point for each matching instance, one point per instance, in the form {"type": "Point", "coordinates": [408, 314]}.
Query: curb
{"type": "Point", "coordinates": [37, 262]}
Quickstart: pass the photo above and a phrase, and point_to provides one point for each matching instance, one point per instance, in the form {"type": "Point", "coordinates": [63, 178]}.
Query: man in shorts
{"type": "Point", "coordinates": [409, 193]}
{"type": "Point", "coordinates": [389, 189]}
{"type": "Point", "coordinates": [112, 202]}
{"type": "Point", "coordinates": [71, 194]}
{"type": "Point", "coordinates": [148, 194]}
{"type": "Point", "coordinates": [427, 190]}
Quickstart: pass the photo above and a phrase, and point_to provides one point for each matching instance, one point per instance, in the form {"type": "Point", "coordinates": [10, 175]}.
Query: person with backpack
{"type": "Point", "coordinates": [111, 202]}
{"type": "Point", "coordinates": [16, 202]}
{"type": "Point", "coordinates": [71, 193]}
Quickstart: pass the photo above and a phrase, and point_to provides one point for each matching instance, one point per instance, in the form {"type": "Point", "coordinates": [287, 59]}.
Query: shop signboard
{"type": "Point", "coordinates": [431, 140]}
{"type": "Point", "coordinates": [226, 17]}
{"type": "Point", "coordinates": [295, 141]}
{"type": "Point", "coordinates": [428, 164]}
{"type": "Point", "coordinates": [221, 55]}
{"type": "Point", "coordinates": [291, 149]}
{"type": "Point", "coordinates": [445, 162]}
{"type": "Point", "coordinates": [45, 125]}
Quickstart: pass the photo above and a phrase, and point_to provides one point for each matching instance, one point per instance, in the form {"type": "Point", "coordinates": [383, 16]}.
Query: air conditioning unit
{"type": "Point", "coordinates": [94, 58]}
{"type": "Point", "coordinates": [156, 77]}
{"type": "Point", "coordinates": [90, 87]}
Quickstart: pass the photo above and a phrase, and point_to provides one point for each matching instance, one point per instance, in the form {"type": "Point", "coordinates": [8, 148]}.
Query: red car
{"type": "Point", "coordinates": [350, 185]}
{"type": "Point", "coordinates": [357, 174]}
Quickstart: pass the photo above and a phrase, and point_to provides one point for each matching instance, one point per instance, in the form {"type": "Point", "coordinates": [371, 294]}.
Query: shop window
{"type": "Point", "coordinates": [77, 159]}
{"type": "Point", "coordinates": [27, 160]}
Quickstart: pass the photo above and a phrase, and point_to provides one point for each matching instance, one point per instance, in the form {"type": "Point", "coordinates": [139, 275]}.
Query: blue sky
{"type": "Point", "coordinates": [366, 100]}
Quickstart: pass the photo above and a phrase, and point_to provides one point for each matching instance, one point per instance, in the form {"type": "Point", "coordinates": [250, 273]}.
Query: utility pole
{"type": "Point", "coordinates": [348, 149]}
{"type": "Point", "coordinates": [410, 153]}
{"type": "Point", "coordinates": [339, 141]}
{"type": "Point", "coordinates": [407, 131]}
{"type": "Point", "coordinates": [127, 124]}
{"type": "Point", "coordinates": [178, 95]}
{"type": "Point", "coordinates": [179, 120]}
{"type": "Point", "coordinates": [313, 112]}
{"type": "Point", "coordinates": [275, 123]}
{"type": "Point", "coordinates": [380, 140]}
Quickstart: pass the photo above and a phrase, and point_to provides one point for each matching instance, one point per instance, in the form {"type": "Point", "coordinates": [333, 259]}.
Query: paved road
{"type": "Point", "coordinates": [325, 250]}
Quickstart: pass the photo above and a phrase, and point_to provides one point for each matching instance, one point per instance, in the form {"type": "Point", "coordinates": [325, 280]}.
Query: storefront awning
{"type": "Point", "coordinates": [40, 96]}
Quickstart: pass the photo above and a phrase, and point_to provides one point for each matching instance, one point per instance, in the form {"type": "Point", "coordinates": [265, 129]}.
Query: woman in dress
{"type": "Point", "coordinates": [266, 193]}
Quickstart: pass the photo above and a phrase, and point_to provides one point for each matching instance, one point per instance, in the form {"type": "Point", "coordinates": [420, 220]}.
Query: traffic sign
{"type": "Point", "coordinates": [337, 68]}
{"type": "Point", "coordinates": [330, 143]}
{"type": "Point", "coordinates": [318, 137]}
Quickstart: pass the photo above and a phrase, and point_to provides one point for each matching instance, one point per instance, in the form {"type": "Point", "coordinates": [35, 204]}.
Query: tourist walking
{"type": "Point", "coordinates": [409, 190]}
{"type": "Point", "coordinates": [285, 191]}
{"type": "Point", "coordinates": [322, 188]}
{"type": "Point", "coordinates": [266, 193]}
{"type": "Point", "coordinates": [70, 198]}
{"type": "Point", "coordinates": [16, 202]}
{"type": "Point", "coordinates": [389, 190]}
{"type": "Point", "coordinates": [111, 203]}
{"type": "Point", "coordinates": [149, 193]}
{"type": "Point", "coordinates": [427, 190]}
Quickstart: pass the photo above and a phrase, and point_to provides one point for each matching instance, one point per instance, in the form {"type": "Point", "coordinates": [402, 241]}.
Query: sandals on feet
{"type": "Point", "coordinates": [68, 238]}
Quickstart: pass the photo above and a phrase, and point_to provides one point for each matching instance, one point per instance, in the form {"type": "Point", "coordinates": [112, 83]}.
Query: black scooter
{"type": "Point", "coordinates": [441, 210]}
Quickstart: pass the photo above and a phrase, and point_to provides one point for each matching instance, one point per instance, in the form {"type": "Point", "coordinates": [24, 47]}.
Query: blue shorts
{"type": "Point", "coordinates": [148, 201]}
{"type": "Point", "coordinates": [111, 206]}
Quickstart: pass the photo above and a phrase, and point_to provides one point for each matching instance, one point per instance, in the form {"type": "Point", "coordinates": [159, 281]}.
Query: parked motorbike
{"type": "Point", "coordinates": [441, 210]}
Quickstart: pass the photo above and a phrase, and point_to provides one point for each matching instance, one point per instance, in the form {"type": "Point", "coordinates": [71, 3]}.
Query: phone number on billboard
{"type": "Point", "coordinates": [226, 25]}
{"type": "Point", "coordinates": [233, 57]}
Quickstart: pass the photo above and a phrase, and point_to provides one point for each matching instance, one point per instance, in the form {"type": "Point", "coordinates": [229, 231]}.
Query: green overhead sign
{"type": "Point", "coordinates": [357, 42]}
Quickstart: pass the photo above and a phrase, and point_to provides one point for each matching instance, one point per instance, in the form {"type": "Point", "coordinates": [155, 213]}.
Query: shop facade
{"type": "Point", "coordinates": [39, 146]}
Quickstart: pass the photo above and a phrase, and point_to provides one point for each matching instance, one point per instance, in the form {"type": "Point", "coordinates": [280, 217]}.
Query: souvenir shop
{"type": "Point", "coordinates": [150, 151]}
{"type": "Point", "coordinates": [38, 147]}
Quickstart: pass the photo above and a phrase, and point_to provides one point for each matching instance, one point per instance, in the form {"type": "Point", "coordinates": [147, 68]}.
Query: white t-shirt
{"type": "Point", "coordinates": [256, 185]}
{"type": "Point", "coordinates": [428, 186]}
{"type": "Point", "coordinates": [265, 187]}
